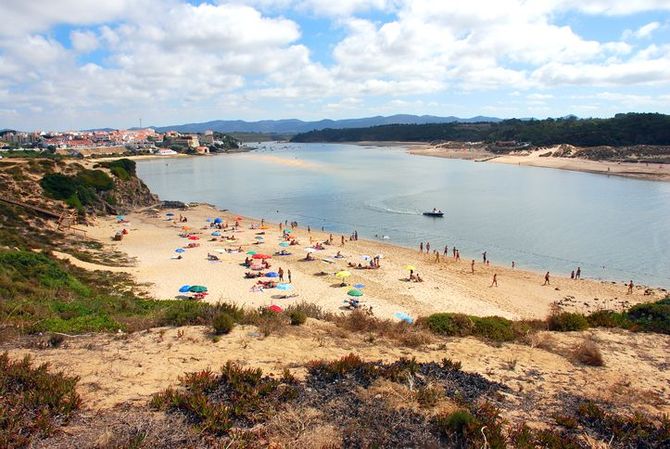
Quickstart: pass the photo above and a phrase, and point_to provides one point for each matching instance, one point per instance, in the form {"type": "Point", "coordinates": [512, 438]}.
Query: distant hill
{"type": "Point", "coordinates": [621, 130]}
{"type": "Point", "coordinates": [294, 126]}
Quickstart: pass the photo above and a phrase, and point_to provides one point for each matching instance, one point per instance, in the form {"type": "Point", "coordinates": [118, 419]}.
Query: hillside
{"type": "Point", "coordinates": [621, 130]}
{"type": "Point", "coordinates": [294, 126]}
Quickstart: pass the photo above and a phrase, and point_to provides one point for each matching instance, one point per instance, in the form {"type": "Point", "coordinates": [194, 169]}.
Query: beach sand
{"type": "Point", "coordinates": [655, 172]}
{"type": "Point", "coordinates": [448, 285]}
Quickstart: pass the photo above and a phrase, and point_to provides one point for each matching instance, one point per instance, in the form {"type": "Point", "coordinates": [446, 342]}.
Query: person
{"type": "Point", "coordinates": [630, 288]}
{"type": "Point", "coordinates": [289, 275]}
{"type": "Point", "coordinates": [330, 239]}
{"type": "Point", "coordinates": [494, 283]}
{"type": "Point", "coordinates": [418, 278]}
{"type": "Point", "coordinates": [309, 230]}
{"type": "Point", "coordinates": [578, 273]}
{"type": "Point", "coordinates": [484, 256]}
{"type": "Point", "coordinates": [472, 266]}
{"type": "Point", "coordinates": [446, 250]}
{"type": "Point", "coordinates": [427, 247]}
{"type": "Point", "coordinates": [281, 274]}
{"type": "Point", "coordinates": [342, 241]}
{"type": "Point", "coordinates": [458, 255]}
{"type": "Point", "coordinates": [411, 275]}
{"type": "Point", "coordinates": [546, 279]}
{"type": "Point", "coordinates": [453, 250]}
{"type": "Point", "coordinates": [437, 256]}
{"type": "Point", "coordinates": [421, 247]}
{"type": "Point", "coordinates": [513, 265]}
{"type": "Point", "coordinates": [355, 235]}
{"type": "Point", "coordinates": [572, 274]}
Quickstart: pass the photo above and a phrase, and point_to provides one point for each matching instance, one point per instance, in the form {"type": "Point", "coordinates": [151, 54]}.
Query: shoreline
{"type": "Point", "coordinates": [448, 285]}
{"type": "Point", "coordinates": [649, 172]}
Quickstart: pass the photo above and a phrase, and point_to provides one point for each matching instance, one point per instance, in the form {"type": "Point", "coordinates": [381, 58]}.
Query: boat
{"type": "Point", "coordinates": [434, 213]}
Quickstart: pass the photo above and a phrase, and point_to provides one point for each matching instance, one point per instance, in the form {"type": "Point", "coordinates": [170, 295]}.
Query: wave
{"type": "Point", "coordinates": [390, 210]}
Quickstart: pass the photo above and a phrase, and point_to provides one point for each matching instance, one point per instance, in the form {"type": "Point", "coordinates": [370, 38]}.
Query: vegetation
{"type": "Point", "coordinates": [223, 323]}
{"type": "Point", "coordinates": [566, 322]}
{"type": "Point", "coordinates": [33, 401]}
{"type": "Point", "coordinates": [297, 318]}
{"type": "Point", "coordinates": [79, 190]}
{"type": "Point", "coordinates": [621, 130]}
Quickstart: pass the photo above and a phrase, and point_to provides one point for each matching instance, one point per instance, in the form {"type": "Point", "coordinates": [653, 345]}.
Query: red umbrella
{"type": "Point", "coordinates": [194, 237]}
{"type": "Point", "coordinates": [261, 256]}
{"type": "Point", "coordinates": [275, 308]}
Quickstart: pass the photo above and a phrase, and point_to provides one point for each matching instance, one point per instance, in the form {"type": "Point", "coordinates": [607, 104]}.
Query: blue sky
{"type": "Point", "coordinates": [76, 64]}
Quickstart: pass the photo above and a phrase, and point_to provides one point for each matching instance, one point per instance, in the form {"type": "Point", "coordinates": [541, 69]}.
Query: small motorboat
{"type": "Point", "coordinates": [434, 213]}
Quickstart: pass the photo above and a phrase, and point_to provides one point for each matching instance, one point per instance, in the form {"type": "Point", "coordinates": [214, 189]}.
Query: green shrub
{"type": "Point", "coordinates": [32, 401]}
{"type": "Point", "coordinates": [182, 313]}
{"type": "Point", "coordinates": [567, 321]}
{"type": "Point", "coordinates": [120, 173]}
{"type": "Point", "coordinates": [97, 179]}
{"type": "Point", "coordinates": [608, 318]}
{"type": "Point", "coordinates": [653, 317]}
{"type": "Point", "coordinates": [494, 328]}
{"type": "Point", "coordinates": [298, 318]}
{"type": "Point", "coordinates": [127, 165]}
{"type": "Point", "coordinates": [453, 324]}
{"type": "Point", "coordinates": [59, 186]}
{"type": "Point", "coordinates": [223, 323]}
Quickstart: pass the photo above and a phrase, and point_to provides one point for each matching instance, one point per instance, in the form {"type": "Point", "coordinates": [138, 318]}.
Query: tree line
{"type": "Point", "coordinates": [620, 130]}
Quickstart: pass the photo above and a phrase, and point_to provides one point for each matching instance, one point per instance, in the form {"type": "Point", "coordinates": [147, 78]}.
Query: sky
{"type": "Point", "coordinates": [77, 64]}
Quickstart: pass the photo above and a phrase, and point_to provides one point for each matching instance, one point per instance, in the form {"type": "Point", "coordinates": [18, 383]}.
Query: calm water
{"type": "Point", "coordinates": [614, 228]}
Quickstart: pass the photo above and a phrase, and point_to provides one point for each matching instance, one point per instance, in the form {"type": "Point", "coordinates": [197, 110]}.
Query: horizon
{"type": "Point", "coordinates": [82, 65]}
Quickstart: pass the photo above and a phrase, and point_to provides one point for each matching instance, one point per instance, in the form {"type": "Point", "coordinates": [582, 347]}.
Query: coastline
{"type": "Point", "coordinates": [448, 285]}
{"type": "Point", "coordinates": [651, 172]}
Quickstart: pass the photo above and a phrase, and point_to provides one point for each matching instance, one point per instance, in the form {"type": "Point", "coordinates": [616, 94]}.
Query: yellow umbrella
{"type": "Point", "coordinates": [343, 274]}
{"type": "Point", "coordinates": [410, 267]}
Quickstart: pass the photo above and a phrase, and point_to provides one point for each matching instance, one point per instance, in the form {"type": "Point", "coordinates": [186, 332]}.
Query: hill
{"type": "Point", "coordinates": [294, 126]}
{"type": "Point", "coordinates": [621, 130]}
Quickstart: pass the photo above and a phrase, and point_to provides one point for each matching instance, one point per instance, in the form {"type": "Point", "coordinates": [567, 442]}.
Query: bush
{"type": "Point", "coordinates": [654, 317]}
{"type": "Point", "coordinates": [120, 173]}
{"type": "Point", "coordinates": [97, 179]}
{"type": "Point", "coordinates": [494, 328]}
{"type": "Point", "coordinates": [183, 313]}
{"type": "Point", "coordinates": [32, 401]}
{"type": "Point", "coordinates": [608, 318]}
{"type": "Point", "coordinates": [453, 324]}
{"type": "Point", "coordinates": [223, 323]}
{"type": "Point", "coordinates": [567, 321]}
{"type": "Point", "coordinates": [588, 353]}
{"type": "Point", "coordinates": [58, 186]}
{"type": "Point", "coordinates": [298, 317]}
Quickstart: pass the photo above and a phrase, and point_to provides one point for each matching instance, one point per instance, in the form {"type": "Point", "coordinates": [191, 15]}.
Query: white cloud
{"type": "Point", "coordinates": [83, 41]}
{"type": "Point", "coordinates": [644, 32]}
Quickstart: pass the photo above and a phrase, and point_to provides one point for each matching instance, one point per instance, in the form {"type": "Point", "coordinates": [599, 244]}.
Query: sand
{"type": "Point", "coordinates": [448, 285]}
{"type": "Point", "coordinates": [656, 172]}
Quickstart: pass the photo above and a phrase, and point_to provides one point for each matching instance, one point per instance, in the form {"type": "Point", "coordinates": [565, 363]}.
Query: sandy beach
{"type": "Point", "coordinates": [448, 285]}
{"type": "Point", "coordinates": [655, 172]}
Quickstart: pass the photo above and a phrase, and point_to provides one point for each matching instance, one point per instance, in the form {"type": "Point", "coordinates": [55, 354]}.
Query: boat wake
{"type": "Point", "coordinates": [390, 210]}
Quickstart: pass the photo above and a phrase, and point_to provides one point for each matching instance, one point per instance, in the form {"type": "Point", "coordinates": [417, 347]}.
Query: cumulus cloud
{"type": "Point", "coordinates": [84, 41]}
{"type": "Point", "coordinates": [643, 32]}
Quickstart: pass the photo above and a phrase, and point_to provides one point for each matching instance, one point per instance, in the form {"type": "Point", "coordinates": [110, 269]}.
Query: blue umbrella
{"type": "Point", "coordinates": [402, 316]}
{"type": "Point", "coordinates": [184, 288]}
{"type": "Point", "coordinates": [216, 233]}
{"type": "Point", "coordinates": [271, 274]}
{"type": "Point", "coordinates": [218, 220]}
{"type": "Point", "coordinates": [284, 287]}
{"type": "Point", "coordinates": [208, 220]}
{"type": "Point", "coordinates": [120, 217]}
{"type": "Point", "coordinates": [180, 250]}
{"type": "Point", "coordinates": [359, 286]}
{"type": "Point", "coordinates": [284, 244]}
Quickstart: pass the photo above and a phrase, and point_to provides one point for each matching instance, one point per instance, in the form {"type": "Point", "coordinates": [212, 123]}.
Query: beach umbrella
{"type": "Point", "coordinates": [216, 234]}
{"type": "Point", "coordinates": [275, 308]}
{"type": "Point", "coordinates": [310, 250]}
{"type": "Point", "coordinates": [355, 292]}
{"type": "Point", "coordinates": [197, 289]}
{"type": "Point", "coordinates": [410, 267]}
{"type": "Point", "coordinates": [402, 316]}
{"type": "Point", "coordinates": [218, 220]}
{"type": "Point", "coordinates": [287, 231]}
{"type": "Point", "coordinates": [284, 287]}
{"type": "Point", "coordinates": [284, 244]}
{"type": "Point", "coordinates": [261, 256]}
{"type": "Point", "coordinates": [209, 220]}
{"type": "Point", "coordinates": [180, 250]}
{"type": "Point", "coordinates": [342, 274]}
{"type": "Point", "coordinates": [271, 274]}
{"type": "Point", "coordinates": [184, 289]}
{"type": "Point", "coordinates": [251, 253]}
{"type": "Point", "coordinates": [359, 286]}
{"type": "Point", "coordinates": [193, 237]}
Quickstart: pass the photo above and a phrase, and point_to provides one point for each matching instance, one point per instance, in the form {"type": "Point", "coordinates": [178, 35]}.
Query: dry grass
{"type": "Point", "coordinates": [588, 353]}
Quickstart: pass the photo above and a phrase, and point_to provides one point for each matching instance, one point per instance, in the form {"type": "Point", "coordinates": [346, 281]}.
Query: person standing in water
{"type": "Point", "coordinates": [427, 247]}
{"type": "Point", "coordinates": [458, 255]}
{"type": "Point", "coordinates": [572, 274]}
{"type": "Point", "coordinates": [630, 288]}
{"type": "Point", "coordinates": [578, 273]}
{"type": "Point", "coordinates": [494, 283]}
{"type": "Point", "coordinates": [484, 256]}
{"type": "Point", "coordinates": [513, 265]}
{"type": "Point", "coordinates": [421, 247]}
{"type": "Point", "coordinates": [546, 279]}
{"type": "Point", "coordinates": [446, 250]}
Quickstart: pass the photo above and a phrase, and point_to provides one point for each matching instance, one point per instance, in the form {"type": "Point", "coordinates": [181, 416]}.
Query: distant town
{"type": "Point", "coordinates": [111, 142]}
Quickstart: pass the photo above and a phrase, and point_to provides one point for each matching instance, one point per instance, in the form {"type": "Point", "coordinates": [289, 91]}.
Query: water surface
{"type": "Point", "coordinates": [544, 219]}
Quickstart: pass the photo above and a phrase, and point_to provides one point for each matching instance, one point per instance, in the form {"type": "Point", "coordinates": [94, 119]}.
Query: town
{"type": "Point", "coordinates": [115, 142]}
